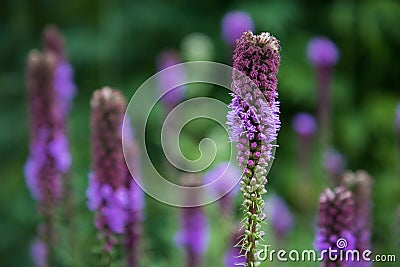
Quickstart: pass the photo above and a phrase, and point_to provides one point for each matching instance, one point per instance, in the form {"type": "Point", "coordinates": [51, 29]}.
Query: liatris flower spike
{"type": "Point", "coordinates": [253, 124]}
{"type": "Point", "coordinates": [360, 183]}
{"type": "Point", "coordinates": [335, 224]}
{"type": "Point", "coordinates": [224, 176]}
{"type": "Point", "coordinates": [49, 157]}
{"type": "Point", "coordinates": [323, 55]}
{"type": "Point", "coordinates": [193, 235]}
{"type": "Point", "coordinates": [234, 23]}
{"type": "Point", "coordinates": [107, 193]}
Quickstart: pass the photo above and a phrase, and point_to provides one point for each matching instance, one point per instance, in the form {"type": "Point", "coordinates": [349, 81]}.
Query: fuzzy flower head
{"type": "Point", "coordinates": [322, 52]}
{"type": "Point", "coordinates": [304, 124]}
{"type": "Point", "coordinates": [253, 124]}
{"type": "Point", "coordinates": [335, 222]}
{"type": "Point", "coordinates": [234, 23]}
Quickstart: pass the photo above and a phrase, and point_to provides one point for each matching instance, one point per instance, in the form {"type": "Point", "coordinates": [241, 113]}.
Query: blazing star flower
{"type": "Point", "coordinates": [360, 183]}
{"type": "Point", "coordinates": [193, 235]}
{"type": "Point", "coordinates": [49, 156]}
{"type": "Point", "coordinates": [166, 80]}
{"type": "Point", "coordinates": [107, 193]}
{"type": "Point", "coordinates": [253, 123]}
{"type": "Point", "coordinates": [322, 52]}
{"type": "Point", "coordinates": [234, 23]}
{"type": "Point", "coordinates": [280, 216]}
{"type": "Point", "coordinates": [224, 175]}
{"type": "Point", "coordinates": [335, 223]}
{"type": "Point", "coordinates": [304, 124]}
{"type": "Point", "coordinates": [323, 55]}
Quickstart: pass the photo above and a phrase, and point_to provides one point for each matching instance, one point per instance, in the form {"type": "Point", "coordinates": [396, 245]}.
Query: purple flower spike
{"type": "Point", "coordinates": [335, 223]}
{"type": "Point", "coordinates": [166, 80]}
{"type": "Point", "coordinates": [360, 183]}
{"type": "Point", "coordinates": [193, 235]}
{"type": "Point", "coordinates": [234, 23]}
{"type": "Point", "coordinates": [112, 193]}
{"type": "Point", "coordinates": [322, 52]}
{"type": "Point", "coordinates": [253, 124]}
{"type": "Point", "coordinates": [304, 124]}
{"type": "Point", "coordinates": [106, 192]}
{"type": "Point", "coordinates": [224, 177]}
{"type": "Point", "coordinates": [280, 216]}
{"type": "Point", "coordinates": [48, 159]}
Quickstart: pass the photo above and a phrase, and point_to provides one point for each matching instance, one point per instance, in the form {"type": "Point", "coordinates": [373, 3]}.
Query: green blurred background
{"type": "Point", "coordinates": [116, 43]}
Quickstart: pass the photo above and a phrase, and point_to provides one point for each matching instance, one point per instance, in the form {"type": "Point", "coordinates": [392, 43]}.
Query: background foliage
{"type": "Point", "coordinates": [116, 42]}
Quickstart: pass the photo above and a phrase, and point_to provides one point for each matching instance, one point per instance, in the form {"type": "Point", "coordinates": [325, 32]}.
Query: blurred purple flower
{"type": "Point", "coordinates": [335, 223]}
{"type": "Point", "coordinates": [107, 193]}
{"type": "Point", "coordinates": [64, 86]}
{"type": "Point", "coordinates": [334, 162]}
{"type": "Point", "coordinates": [398, 118]}
{"type": "Point", "coordinates": [225, 178]}
{"type": "Point", "coordinates": [49, 157]}
{"type": "Point", "coordinates": [38, 251]}
{"type": "Point", "coordinates": [322, 52]}
{"type": "Point", "coordinates": [234, 256]}
{"type": "Point", "coordinates": [234, 24]}
{"type": "Point", "coordinates": [135, 201]}
{"type": "Point", "coordinates": [169, 78]}
{"type": "Point", "coordinates": [193, 234]}
{"type": "Point", "coordinates": [304, 124]}
{"type": "Point", "coordinates": [323, 55]}
{"type": "Point", "coordinates": [280, 216]}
